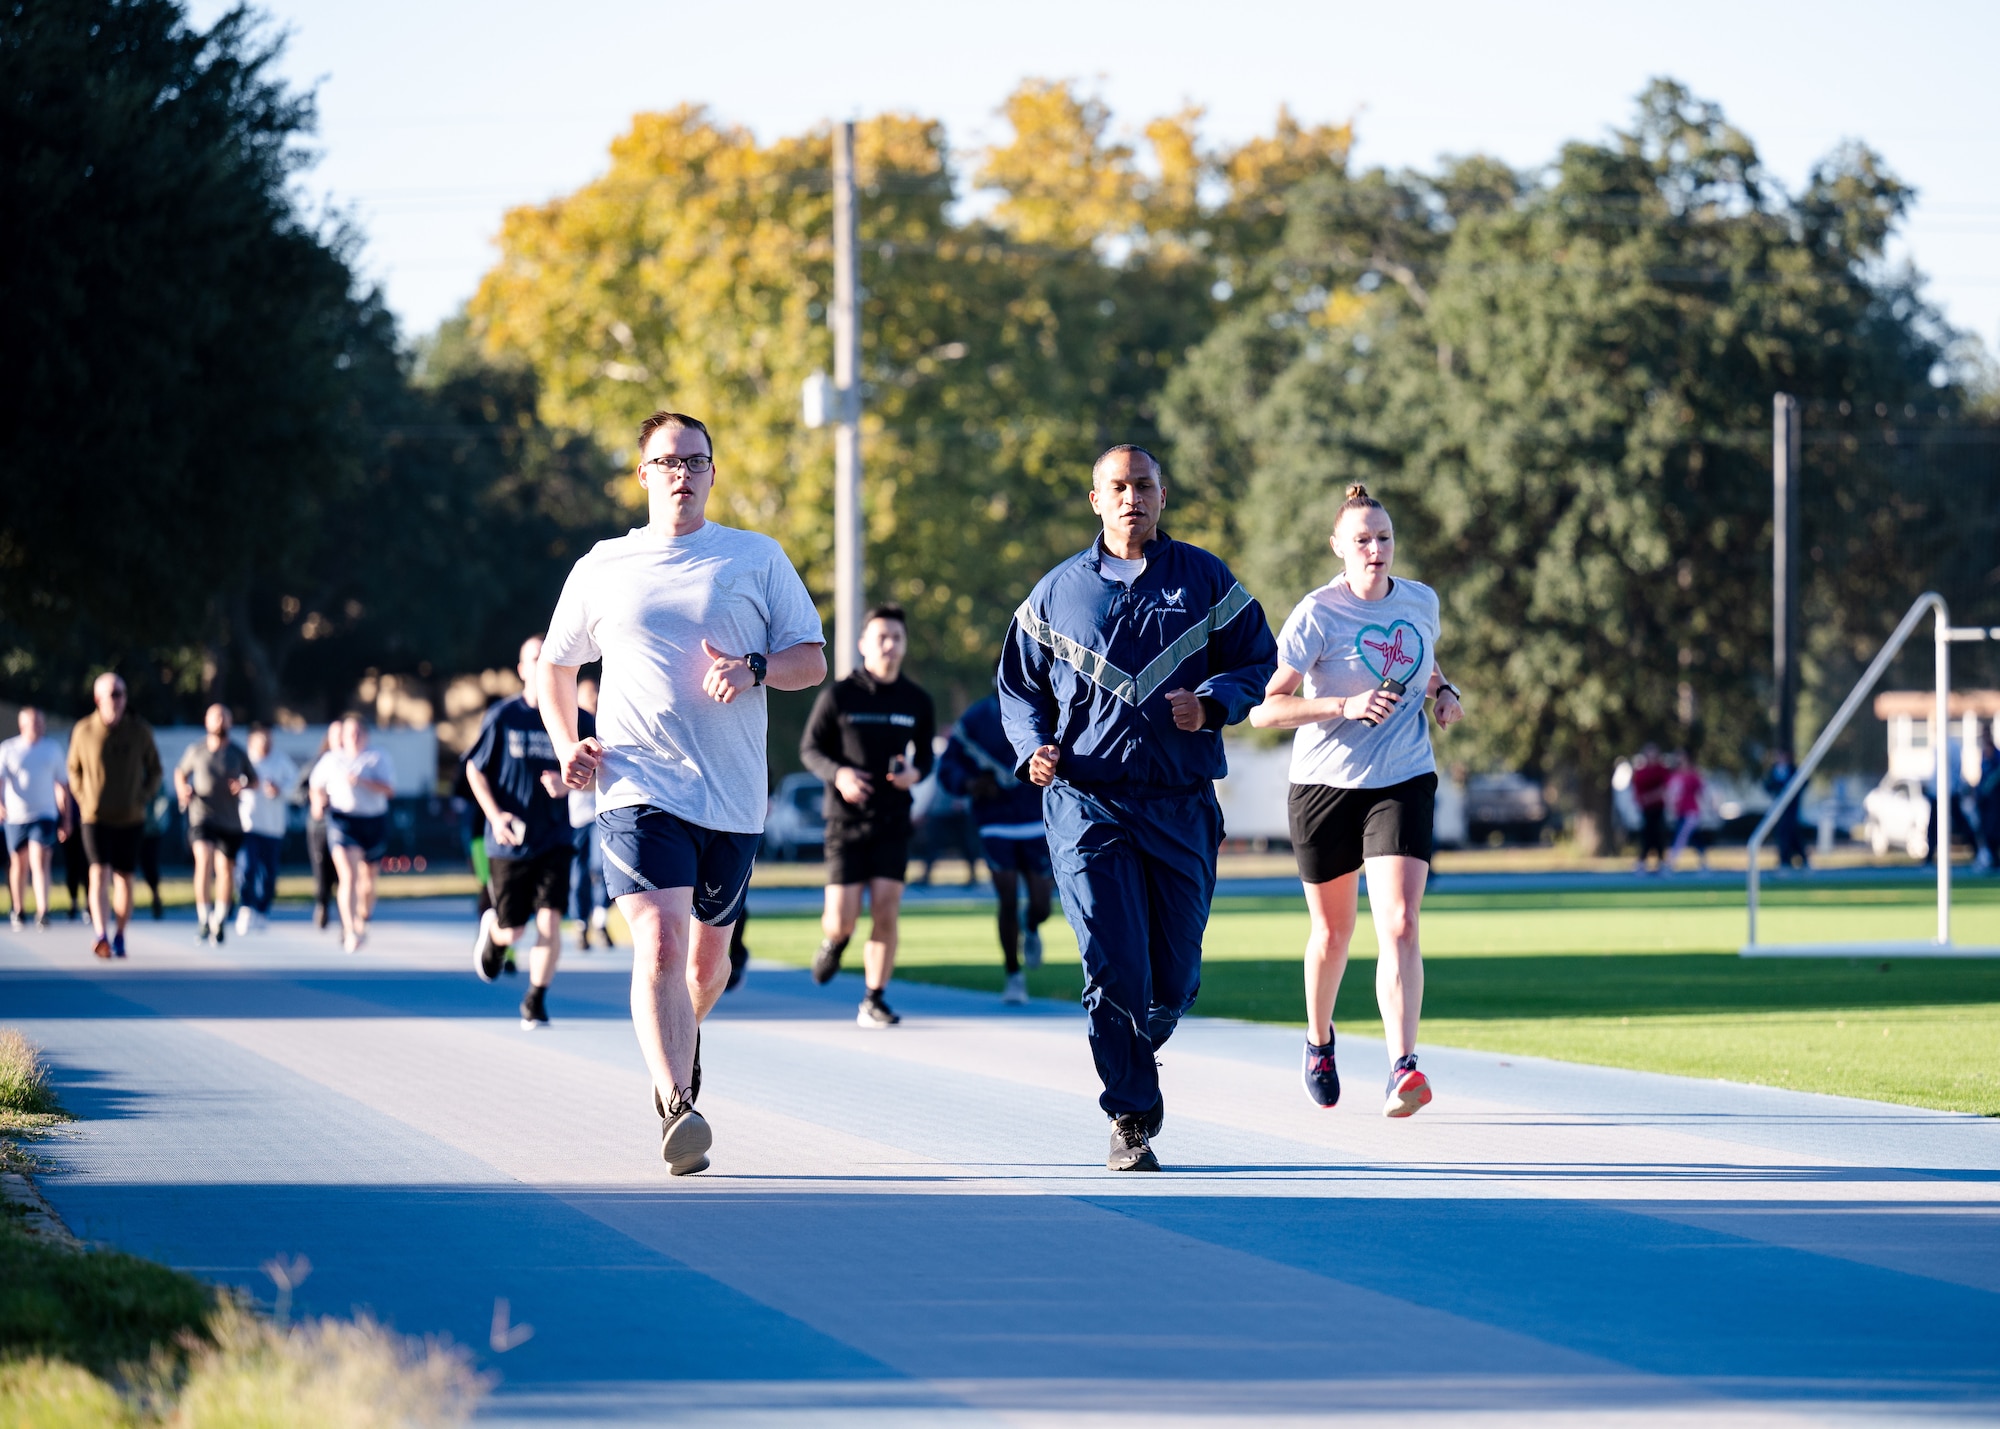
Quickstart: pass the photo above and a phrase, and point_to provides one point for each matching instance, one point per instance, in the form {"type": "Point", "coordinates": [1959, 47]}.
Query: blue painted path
{"type": "Point", "coordinates": [914, 1226]}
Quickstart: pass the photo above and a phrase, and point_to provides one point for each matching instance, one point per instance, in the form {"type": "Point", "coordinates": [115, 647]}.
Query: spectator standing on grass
{"type": "Point", "coordinates": [869, 740]}
{"type": "Point", "coordinates": [1786, 835]}
{"type": "Point", "coordinates": [978, 764]}
{"type": "Point", "coordinates": [34, 784]}
{"type": "Point", "coordinates": [114, 769]}
{"type": "Point", "coordinates": [513, 772]}
{"type": "Point", "coordinates": [213, 772]}
{"type": "Point", "coordinates": [1117, 677]}
{"type": "Point", "coordinates": [353, 784]}
{"type": "Point", "coordinates": [692, 620]}
{"type": "Point", "coordinates": [1364, 781]}
{"type": "Point", "coordinates": [1986, 800]}
{"type": "Point", "coordinates": [1649, 792]}
{"type": "Point", "coordinates": [1685, 787]}
{"type": "Point", "coordinates": [263, 807]}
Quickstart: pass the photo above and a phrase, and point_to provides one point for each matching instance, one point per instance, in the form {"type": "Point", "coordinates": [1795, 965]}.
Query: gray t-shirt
{"type": "Point", "coordinates": [29, 774]}
{"type": "Point", "coordinates": [643, 603]}
{"type": "Point", "coordinates": [209, 773]}
{"type": "Point", "coordinates": [1344, 645]}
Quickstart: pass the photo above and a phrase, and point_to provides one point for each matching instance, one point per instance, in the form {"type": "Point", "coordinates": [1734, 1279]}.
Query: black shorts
{"type": "Point", "coordinates": [1333, 830]}
{"type": "Point", "coordinates": [113, 846]}
{"type": "Point", "coordinates": [858, 855]}
{"type": "Point", "coordinates": [520, 886]}
{"type": "Point", "coordinates": [229, 840]}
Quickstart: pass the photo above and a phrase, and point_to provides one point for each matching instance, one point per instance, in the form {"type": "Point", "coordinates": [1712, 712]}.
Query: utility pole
{"type": "Point", "coordinates": [847, 528]}
{"type": "Point", "coordinates": [1785, 558]}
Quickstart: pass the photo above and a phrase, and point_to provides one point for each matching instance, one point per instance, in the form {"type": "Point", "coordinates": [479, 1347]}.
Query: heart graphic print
{"type": "Point", "coordinates": [1393, 653]}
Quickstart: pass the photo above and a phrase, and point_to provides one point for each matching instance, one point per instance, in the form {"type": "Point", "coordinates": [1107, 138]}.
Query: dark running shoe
{"type": "Point", "coordinates": [1130, 1149]}
{"type": "Point", "coordinates": [826, 962]}
{"type": "Point", "coordinates": [487, 954]}
{"type": "Point", "coordinates": [1322, 1077]}
{"type": "Point", "coordinates": [874, 1012]}
{"type": "Point", "coordinates": [534, 1010]}
{"type": "Point", "coordinates": [739, 959]}
{"type": "Point", "coordinates": [1408, 1089]}
{"type": "Point", "coordinates": [117, 945]}
{"type": "Point", "coordinates": [684, 1135]}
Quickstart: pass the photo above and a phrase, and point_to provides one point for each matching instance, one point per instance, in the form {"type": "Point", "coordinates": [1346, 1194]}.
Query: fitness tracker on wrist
{"type": "Point", "coordinates": [757, 667]}
{"type": "Point", "coordinates": [1444, 685]}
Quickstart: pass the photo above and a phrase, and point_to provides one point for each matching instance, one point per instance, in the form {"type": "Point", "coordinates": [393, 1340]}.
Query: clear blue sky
{"type": "Point", "coordinates": [437, 115]}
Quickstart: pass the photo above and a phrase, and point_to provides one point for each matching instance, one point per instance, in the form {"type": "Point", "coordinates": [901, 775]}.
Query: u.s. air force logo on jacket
{"type": "Point", "coordinates": [1088, 663]}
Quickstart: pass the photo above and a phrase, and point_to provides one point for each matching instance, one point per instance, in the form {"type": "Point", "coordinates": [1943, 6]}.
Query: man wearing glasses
{"type": "Point", "coordinates": [114, 769]}
{"type": "Point", "coordinates": [692, 620]}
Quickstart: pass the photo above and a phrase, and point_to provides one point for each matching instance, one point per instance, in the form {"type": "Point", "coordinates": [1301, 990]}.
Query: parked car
{"type": "Point", "coordinates": [1898, 815]}
{"type": "Point", "coordinates": [795, 821]}
{"type": "Point", "coordinates": [1509, 805]}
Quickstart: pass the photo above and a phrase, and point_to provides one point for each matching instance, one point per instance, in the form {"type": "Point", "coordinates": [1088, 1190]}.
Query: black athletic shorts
{"type": "Point", "coordinates": [858, 855]}
{"type": "Point", "coordinates": [230, 840]}
{"type": "Point", "coordinates": [1333, 830]}
{"type": "Point", "coordinates": [522, 885]}
{"type": "Point", "coordinates": [113, 846]}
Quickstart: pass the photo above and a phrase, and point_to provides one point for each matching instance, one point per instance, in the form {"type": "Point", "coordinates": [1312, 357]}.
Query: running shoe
{"type": "Point", "coordinates": [826, 962]}
{"type": "Point", "coordinates": [101, 948]}
{"type": "Point", "coordinates": [1031, 947]}
{"type": "Point", "coordinates": [1322, 1077]}
{"type": "Point", "coordinates": [201, 923]}
{"type": "Point", "coordinates": [246, 919]}
{"type": "Point", "coordinates": [319, 915]}
{"type": "Point", "coordinates": [117, 945]}
{"type": "Point", "coordinates": [221, 926]}
{"type": "Point", "coordinates": [1130, 1148]}
{"type": "Point", "coordinates": [19, 920]}
{"type": "Point", "coordinates": [875, 1012]}
{"type": "Point", "coordinates": [1015, 994]}
{"type": "Point", "coordinates": [1408, 1089]}
{"type": "Point", "coordinates": [534, 1010]}
{"type": "Point", "coordinates": [684, 1135]}
{"type": "Point", "coordinates": [487, 954]}
{"type": "Point", "coordinates": [41, 920]}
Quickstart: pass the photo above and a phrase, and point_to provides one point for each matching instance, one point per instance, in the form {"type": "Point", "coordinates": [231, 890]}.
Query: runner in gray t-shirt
{"type": "Point", "coordinates": [691, 620]}
{"type": "Point", "coordinates": [212, 772]}
{"type": "Point", "coordinates": [1364, 649]}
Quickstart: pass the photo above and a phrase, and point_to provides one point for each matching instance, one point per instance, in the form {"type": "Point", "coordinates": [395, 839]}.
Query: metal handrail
{"type": "Point", "coordinates": [1940, 738]}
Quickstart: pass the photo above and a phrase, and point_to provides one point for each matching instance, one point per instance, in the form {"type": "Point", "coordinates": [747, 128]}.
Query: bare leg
{"type": "Point", "coordinates": [708, 967]}
{"type": "Point", "coordinates": [99, 896]}
{"type": "Point", "coordinates": [842, 911]}
{"type": "Point", "coordinates": [548, 947]}
{"type": "Point", "coordinates": [364, 899]}
{"type": "Point", "coordinates": [121, 899]}
{"type": "Point", "coordinates": [663, 1013]}
{"type": "Point", "coordinates": [1332, 908]}
{"type": "Point", "coordinates": [17, 876]}
{"type": "Point", "coordinates": [885, 900]}
{"type": "Point", "coordinates": [351, 867]}
{"type": "Point", "coordinates": [41, 867]}
{"type": "Point", "coordinates": [1395, 891]}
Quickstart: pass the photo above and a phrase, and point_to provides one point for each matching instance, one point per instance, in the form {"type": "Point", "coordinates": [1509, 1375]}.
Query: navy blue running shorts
{"type": "Point", "coordinates": [1029, 856]}
{"type": "Point", "coordinates": [367, 832]}
{"type": "Point", "coordinates": [34, 831]}
{"type": "Point", "coordinates": [647, 849]}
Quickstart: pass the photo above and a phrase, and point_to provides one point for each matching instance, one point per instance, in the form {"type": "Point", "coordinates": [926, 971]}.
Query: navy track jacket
{"type": "Point", "coordinates": [979, 746]}
{"type": "Point", "coordinates": [1088, 664]}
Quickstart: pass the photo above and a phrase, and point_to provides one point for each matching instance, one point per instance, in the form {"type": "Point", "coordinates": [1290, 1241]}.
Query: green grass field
{"type": "Point", "coordinates": [1648, 980]}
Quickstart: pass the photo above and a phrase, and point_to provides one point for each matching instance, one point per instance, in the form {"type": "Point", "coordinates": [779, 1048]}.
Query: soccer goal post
{"type": "Point", "coordinates": [1944, 636]}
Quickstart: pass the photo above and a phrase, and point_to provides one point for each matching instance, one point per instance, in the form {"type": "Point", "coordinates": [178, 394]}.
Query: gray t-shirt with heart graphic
{"type": "Point", "coordinates": [1344, 645]}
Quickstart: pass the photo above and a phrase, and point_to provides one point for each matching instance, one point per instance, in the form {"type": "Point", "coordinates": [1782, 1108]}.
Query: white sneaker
{"type": "Point", "coordinates": [1016, 993]}
{"type": "Point", "coordinates": [245, 921]}
{"type": "Point", "coordinates": [1031, 947]}
{"type": "Point", "coordinates": [598, 918]}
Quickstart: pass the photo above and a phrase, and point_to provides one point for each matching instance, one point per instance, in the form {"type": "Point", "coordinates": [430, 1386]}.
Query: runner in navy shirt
{"type": "Point", "coordinates": [515, 777]}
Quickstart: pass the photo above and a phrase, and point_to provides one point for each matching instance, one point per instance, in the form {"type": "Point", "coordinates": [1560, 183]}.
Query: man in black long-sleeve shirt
{"type": "Point", "coordinates": [869, 738]}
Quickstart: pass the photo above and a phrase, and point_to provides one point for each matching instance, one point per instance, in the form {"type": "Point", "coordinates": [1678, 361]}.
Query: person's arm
{"type": "Point", "coordinates": [821, 753]}
{"type": "Point", "coordinates": [579, 758]}
{"type": "Point", "coordinates": [183, 786]}
{"type": "Point", "coordinates": [510, 829]}
{"type": "Point", "coordinates": [1441, 690]}
{"type": "Point", "coordinates": [797, 667]}
{"type": "Point", "coordinates": [1028, 705]}
{"type": "Point", "coordinates": [1242, 657]}
{"type": "Point", "coordinates": [1285, 708]}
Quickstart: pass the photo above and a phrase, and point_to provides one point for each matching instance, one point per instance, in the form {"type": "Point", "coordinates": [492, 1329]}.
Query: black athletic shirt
{"type": "Point", "coordinates": [862, 723]}
{"type": "Point", "coordinates": [513, 752]}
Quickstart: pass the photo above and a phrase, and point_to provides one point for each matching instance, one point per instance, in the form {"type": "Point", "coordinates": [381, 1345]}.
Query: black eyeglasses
{"type": "Point", "coordinates": [673, 465]}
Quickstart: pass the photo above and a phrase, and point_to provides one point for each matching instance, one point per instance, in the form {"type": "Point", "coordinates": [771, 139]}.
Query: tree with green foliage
{"type": "Point", "coordinates": [1561, 386]}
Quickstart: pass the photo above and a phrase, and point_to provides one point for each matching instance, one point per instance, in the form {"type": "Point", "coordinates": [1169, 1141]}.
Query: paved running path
{"type": "Point", "coordinates": [913, 1226]}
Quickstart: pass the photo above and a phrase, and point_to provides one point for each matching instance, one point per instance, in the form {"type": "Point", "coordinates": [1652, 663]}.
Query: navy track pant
{"type": "Point", "coordinates": [1137, 876]}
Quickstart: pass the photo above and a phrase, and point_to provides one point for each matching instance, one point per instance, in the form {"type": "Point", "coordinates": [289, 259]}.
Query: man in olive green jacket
{"type": "Point", "coordinates": [114, 769]}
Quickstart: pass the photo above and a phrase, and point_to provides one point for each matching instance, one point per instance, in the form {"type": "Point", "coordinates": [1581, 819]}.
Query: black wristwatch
{"type": "Point", "coordinates": [1444, 685]}
{"type": "Point", "coordinates": [757, 667]}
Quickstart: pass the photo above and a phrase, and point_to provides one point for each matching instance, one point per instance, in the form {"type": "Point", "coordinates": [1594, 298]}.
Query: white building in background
{"type": "Point", "coordinates": [1908, 715]}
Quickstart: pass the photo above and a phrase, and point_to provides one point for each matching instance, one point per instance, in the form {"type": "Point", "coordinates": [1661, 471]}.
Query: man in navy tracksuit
{"type": "Point", "coordinates": [1119, 673]}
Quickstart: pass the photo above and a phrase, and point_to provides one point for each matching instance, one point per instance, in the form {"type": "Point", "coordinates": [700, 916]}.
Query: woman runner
{"type": "Point", "coordinates": [1363, 782]}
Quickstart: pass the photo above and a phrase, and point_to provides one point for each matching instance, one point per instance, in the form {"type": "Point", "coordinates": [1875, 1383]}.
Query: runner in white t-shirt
{"type": "Point", "coordinates": [1364, 782]}
{"type": "Point", "coordinates": [691, 620]}
{"type": "Point", "coordinates": [34, 784]}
